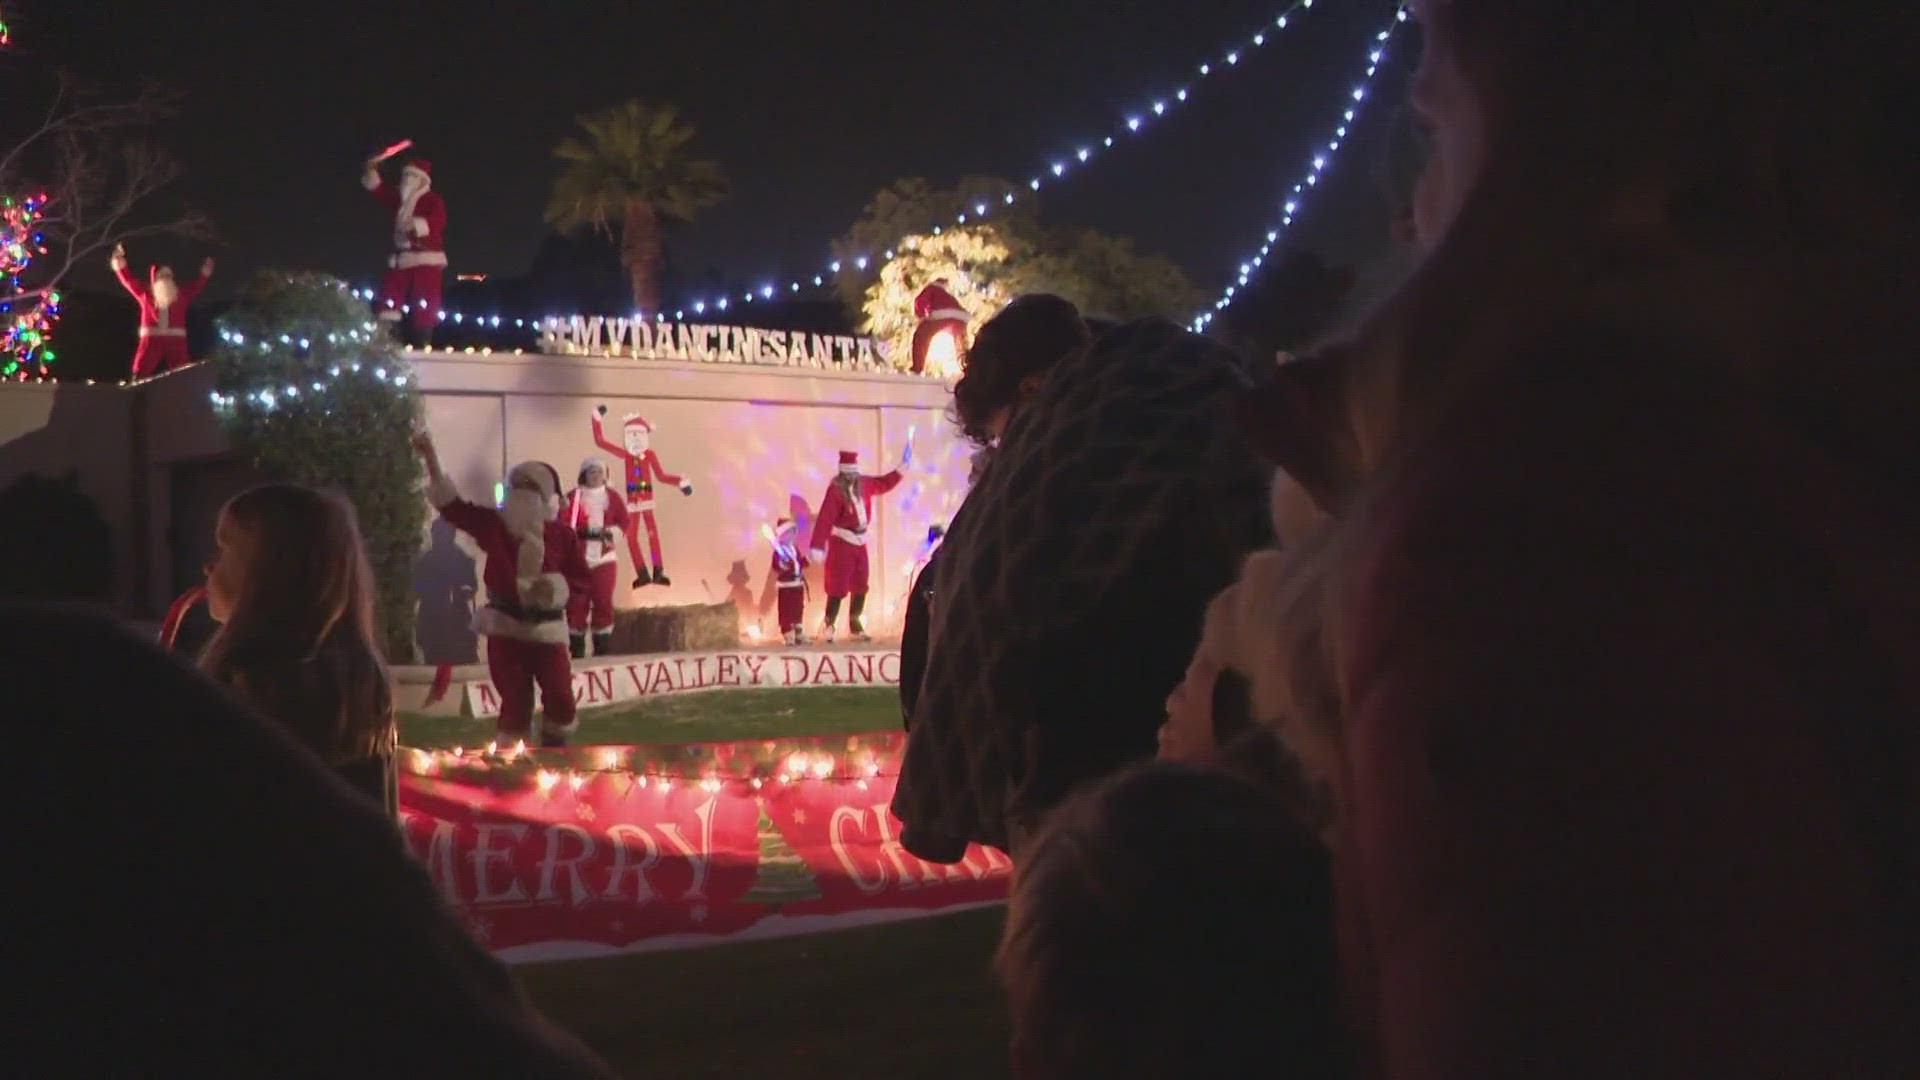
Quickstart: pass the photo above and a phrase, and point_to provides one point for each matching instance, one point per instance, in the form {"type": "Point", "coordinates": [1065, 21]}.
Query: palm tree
{"type": "Point", "coordinates": [633, 167]}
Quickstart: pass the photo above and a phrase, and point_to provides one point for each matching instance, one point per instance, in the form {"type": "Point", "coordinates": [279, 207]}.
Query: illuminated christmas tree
{"type": "Point", "coordinates": [26, 318]}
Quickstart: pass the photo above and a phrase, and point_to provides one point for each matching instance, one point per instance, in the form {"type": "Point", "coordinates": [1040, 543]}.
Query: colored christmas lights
{"type": "Point", "coordinates": [1290, 208]}
{"type": "Point", "coordinates": [26, 320]}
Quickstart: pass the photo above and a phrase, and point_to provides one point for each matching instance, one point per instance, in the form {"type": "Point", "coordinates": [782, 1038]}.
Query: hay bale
{"type": "Point", "coordinates": [677, 628]}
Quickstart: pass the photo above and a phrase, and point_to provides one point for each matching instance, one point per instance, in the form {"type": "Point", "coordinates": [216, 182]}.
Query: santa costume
{"type": "Point", "coordinates": [412, 286]}
{"type": "Point", "coordinates": [789, 582]}
{"type": "Point", "coordinates": [532, 564]}
{"type": "Point", "coordinates": [163, 317]}
{"type": "Point", "coordinates": [936, 311]}
{"type": "Point", "coordinates": [840, 539]}
{"type": "Point", "coordinates": [598, 519]}
{"type": "Point", "coordinates": [641, 467]}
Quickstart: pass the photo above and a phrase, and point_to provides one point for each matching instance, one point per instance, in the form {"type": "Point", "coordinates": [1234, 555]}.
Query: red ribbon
{"type": "Point", "coordinates": [177, 614]}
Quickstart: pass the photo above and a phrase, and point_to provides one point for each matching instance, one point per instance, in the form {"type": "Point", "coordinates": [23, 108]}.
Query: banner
{"type": "Point", "coordinates": [628, 679]}
{"type": "Point", "coordinates": [610, 847]}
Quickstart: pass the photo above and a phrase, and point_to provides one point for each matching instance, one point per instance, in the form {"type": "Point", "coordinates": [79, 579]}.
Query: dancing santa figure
{"type": "Point", "coordinates": [789, 582]}
{"type": "Point", "coordinates": [598, 519]}
{"type": "Point", "coordinates": [937, 312]}
{"type": "Point", "coordinates": [163, 313]}
{"type": "Point", "coordinates": [412, 285]}
{"type": "Point", "coordinates": [642, 467]}
{"type": "Point", "coordinates": [533, 565]}
{"type": "Point", "coordinates": [840, 538]}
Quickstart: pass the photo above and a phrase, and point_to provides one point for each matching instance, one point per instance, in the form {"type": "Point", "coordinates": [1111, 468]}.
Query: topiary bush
{"type": "Point", "coordinates": [312, 391]}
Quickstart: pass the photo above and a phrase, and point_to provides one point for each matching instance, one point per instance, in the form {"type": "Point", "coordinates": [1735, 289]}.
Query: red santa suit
{"type": "Point", "coordinates": [531, 569]}
{"type": "Point", "coordinates": [937, 312]}
{"type": "Point", "coordinates": [789, 581]}
{"type": "Point", "coordinates": [598, 518]}
{"type": "Point", "coordinates": [163, 326]}
{"type": "Point", "coordinates": [840, 531]}
{"type": "Point", "coordinates": [641, 467]}
{"type": "Point", "coordinates": [419, 258]}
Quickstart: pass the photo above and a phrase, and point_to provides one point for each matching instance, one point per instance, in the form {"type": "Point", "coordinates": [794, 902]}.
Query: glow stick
{"type": "Point", "coordinates": [390, 151]}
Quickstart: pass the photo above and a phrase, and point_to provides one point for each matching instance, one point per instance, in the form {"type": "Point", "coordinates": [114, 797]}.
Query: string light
{"type": "Point", "coordinates": [547, 771]}
{"type": "Point", "coordinates": [340, 352]}
{"type": "Point", "coordinates": [1057, 169]}
{"type": "Point", "coordinates": [1317, 167]}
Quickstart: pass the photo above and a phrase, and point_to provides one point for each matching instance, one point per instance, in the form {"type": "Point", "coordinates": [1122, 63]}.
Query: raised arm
{"type": "Point", "coordinates": [478, 522]}
{"type": "Point", "coordinates": [119, 263]}
{"type": "Point", "coordinates": [600, 438]}
{"type": "Point", "coordinates": [189, 291]}
{"type": "Point", "coordinates": [880, 485]}
{"type": "Point", "coordinates": [379, 189]}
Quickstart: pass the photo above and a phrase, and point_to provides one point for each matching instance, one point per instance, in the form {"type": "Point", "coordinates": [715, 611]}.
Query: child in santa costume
{"type": "Point", "coordinates": [412, 286]}
{"type": "Point", "coordinates": [598, 519]}
{"type": "Point", "coordinates": [937, 311]}
{"type": "Point", "coordinates": [163, 313]}
{"type": "Point", "coordinates": [840, 537]}
{"type": "Point", "coordinates": [642, 467]}
{"type": "Point", "coordinates": [533, 563]}
{"type": "Point", "coordinates": [789, 582]}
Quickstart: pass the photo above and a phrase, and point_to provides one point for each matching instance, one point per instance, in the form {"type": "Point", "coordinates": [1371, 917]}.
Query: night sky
{"type": "Point", "coordinates": [810, 107]}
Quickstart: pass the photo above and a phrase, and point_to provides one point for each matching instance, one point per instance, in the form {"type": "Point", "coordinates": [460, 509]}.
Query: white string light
{"type": "Point", "coordinates": [1057, 169]}
{"type": "Point", "coordinates": [1322, 157]}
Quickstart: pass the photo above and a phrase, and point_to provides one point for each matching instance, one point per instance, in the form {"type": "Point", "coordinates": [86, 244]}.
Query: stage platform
{"type": "Point", "coordinates": [465, 689]}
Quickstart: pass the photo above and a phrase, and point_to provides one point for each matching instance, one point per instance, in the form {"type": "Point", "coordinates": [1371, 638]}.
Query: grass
{"type": "Point", "coordinates": [900, 1001]}
{"type": "Point", "coordinates": [711, 716]}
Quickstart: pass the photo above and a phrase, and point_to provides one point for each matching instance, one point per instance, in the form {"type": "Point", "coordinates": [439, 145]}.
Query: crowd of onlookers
{"type": "Point", "coordinates": [1533, 673]}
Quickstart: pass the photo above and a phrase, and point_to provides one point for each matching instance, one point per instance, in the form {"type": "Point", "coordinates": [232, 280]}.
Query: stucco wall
{"type": "Point", "coordinates": [754, 441]}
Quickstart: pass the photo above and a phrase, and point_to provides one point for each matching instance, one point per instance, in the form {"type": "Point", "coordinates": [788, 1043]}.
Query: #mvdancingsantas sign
{"type": "Point", "coordinates": [582, 335]}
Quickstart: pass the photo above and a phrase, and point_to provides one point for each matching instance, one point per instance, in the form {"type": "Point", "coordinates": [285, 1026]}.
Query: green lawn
{"type": "Point", "coordinates": [902, 1001]}
{"type": "Point", "coordinates": [712, 716]}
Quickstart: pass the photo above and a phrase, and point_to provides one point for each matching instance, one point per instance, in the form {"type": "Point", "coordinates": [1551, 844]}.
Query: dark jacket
{"type": "Point", "coordinates": [206, 901]}
{"type": "Point", "coordinates": [354, 738]}
{"type": "Point", "coordinates": [1073, 583]}
{"type": "Point", "coordinates": [913, 638]}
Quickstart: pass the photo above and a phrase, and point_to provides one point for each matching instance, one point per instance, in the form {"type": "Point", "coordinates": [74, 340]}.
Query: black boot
{"type": "Point", "coordinates": [660, 575]}
{"type": "Point", "coordinates": [577, 646]}
{"type": "Point", "coordinates": [856, 618]}
{"type": "Point", "coordinates": [603, 643]}
{"type": "Point", "coordinates": [641, 580]}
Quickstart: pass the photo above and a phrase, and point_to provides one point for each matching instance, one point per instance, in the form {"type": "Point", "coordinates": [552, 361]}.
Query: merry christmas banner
{"type": "Point", "coordinates": [609, 848]}
{"type": "Point", "coordinates": [628, 679]}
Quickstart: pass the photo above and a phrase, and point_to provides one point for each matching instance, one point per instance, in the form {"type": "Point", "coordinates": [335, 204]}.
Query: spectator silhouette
{"type": "Point", "coordinates": [55, 544]}
{"type": "Point", "coordinates": [445, 581]}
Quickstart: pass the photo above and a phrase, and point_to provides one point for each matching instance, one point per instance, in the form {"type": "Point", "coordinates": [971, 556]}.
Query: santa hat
{"type": "Point", "coordinates": [420, 167]}
{"type": "Point", "coordinates": [849, 459]}
{"type": "Point", "coordinates": [636, 422]}
{"type": "Point", "coordinates": [537, 474]}
{"type": "Point", "coordinates": [590, 462]}
{"type": "Point", "coordinates": [782, 524]}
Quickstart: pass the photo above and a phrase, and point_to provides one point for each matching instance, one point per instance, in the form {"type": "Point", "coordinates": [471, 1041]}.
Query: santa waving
{"type": "Point", "coordinates": [840, 537]}
{"type": "Point", "coordinates": [419, 258]}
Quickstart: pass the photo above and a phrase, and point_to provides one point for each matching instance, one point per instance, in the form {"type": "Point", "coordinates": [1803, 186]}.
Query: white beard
{"type": "Point", "coordinates": [410, 188]}
{"type": "Point", "coordinates": [165, 292]}
{"type": "Point", "coordinates": [636, 445]}
{"type": "Point", "coordinates": [525, 512]}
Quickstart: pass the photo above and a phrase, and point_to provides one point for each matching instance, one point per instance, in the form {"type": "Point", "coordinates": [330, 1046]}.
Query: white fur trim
{"type": "Point", "coordinates": [529, 558]}
{"type": "Point", "coordinates": [420, 226]}
{"type": "Point", "coordinates": [441, 491]}
{"type": "Point", "coordinates": [370, 180]}
{"type": "Point", "coordinates": [947, 314]}
{"type": "Point", "coordinates": [490, 622]}
{"type": "Point", "coordinates": [407, 260]}
{"type": "Point", "coordinates": [426, 181]}
{"type": "Point", "coordinates": [548, 591]}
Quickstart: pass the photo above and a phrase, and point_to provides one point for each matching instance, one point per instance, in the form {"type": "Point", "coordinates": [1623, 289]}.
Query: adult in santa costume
{"type": "Point", "coordinates": [533, 564]}
{"type": "Point", "coordinates": [412, 286]}
{"type": "Point", "coordinates": [840, 537]}
{"type": "Point", "coordinates": [598, 519]}
{"type": "Point", "coordinates": [641, 467]}
{"type": "Point", "coordinates": [937, 312]}
{"type": "Point", "coordinates": [789, 582]}
{"type": "Point", "coordinates": [163, 313]}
